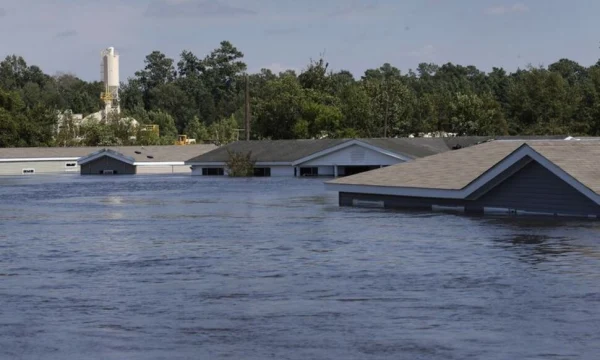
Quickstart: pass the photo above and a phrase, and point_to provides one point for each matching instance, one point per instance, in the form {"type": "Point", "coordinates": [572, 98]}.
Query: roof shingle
{"type": "Point", "coordinates": [454, 170]}
{"type": "Point", "coordinates": [288, 151]}
{"type": "Point", "coordinates": [160, 153]}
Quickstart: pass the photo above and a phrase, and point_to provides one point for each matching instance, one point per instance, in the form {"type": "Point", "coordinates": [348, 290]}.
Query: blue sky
{"type": "Point", "coordinates": [68, 35]}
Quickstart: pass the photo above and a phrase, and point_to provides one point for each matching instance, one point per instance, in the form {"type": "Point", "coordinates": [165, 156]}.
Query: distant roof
{"type": "Point", "coordinates": [168, 153]}
{"type": "Point", "coordinates": [288, 151]}
{"type": "Point", "coordinates": [160, 153]}
{"type": "Point", "coordinates": [455, 170]}
{"type": "Point", "coordinates": [269, 150]}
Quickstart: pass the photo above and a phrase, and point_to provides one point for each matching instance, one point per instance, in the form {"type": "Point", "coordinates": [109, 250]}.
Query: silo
{"type": "Point", "coordinates": [110, 78]}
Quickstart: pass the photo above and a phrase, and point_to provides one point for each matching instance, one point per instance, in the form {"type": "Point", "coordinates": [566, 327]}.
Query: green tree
{"type": "Point", "coordinates": [471, 114]}
{"type": "Point", "coordinates": [278, 107]}
{"type": "Point", "coordinates": [196, 130]}
{"type": "Point", "coordinates": [166, 124]}
{"type": "Point", "coordinates": [158, 70]}
{"type": "Point", "coordinates": [224, 131]}
{"type": "Point", "coordinates": [171, 99]}
{"type": "Point", "coordinates": [240, 164]}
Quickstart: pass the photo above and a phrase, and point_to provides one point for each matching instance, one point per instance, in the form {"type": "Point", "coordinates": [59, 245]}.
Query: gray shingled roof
{"type": "Point", "coordinates": [455, 170]}
{"type": "Point", "coordinates": [163, 153]}
{"type": "Point", "coordinates": [169, 153]}
{"type": "Point", "coordinates": [269, 150]}
{"type": "Point", "coordinates": [287, 151]}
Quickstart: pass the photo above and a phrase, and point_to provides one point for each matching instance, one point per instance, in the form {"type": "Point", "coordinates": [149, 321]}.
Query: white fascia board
{"type": "Point", "coordinates": [216, 163]}
{"type": "Point", "coordinates": [87, 159]}
{"type": "Point", "coordinates": [273, 163]}
{"type": "Point", "coordinates": [266, 163]}
{"type": "Point", "coordinates": [164, 163]}
{"type": "Point", "coordinates": [384, 151]}
{"type": "Point", "coordinates": [40, 159]}
{"type": "Point", "coordinates": [463, 193]}
{"type": "Point", "coordinates": [348, 144]}
{"type": "Point", "coordinates": [395, 191]}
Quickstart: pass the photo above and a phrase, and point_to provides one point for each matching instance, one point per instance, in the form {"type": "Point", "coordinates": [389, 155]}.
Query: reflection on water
{"type": "Point", "coordinates": [529, 239]}
{"type": "Point", "coordinates": [179, 267]}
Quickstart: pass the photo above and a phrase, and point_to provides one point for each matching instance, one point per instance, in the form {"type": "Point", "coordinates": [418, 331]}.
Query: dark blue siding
{"type": "Point", "coordinates": [107, 163]}
{"type": "Point", "coordinates": [535, 188]}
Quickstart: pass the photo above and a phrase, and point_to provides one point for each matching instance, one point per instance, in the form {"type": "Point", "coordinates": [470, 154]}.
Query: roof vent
{"type": "Point", "coordinates": [150, 156]}
{"type": "Point", "coordinates": [138, 152]}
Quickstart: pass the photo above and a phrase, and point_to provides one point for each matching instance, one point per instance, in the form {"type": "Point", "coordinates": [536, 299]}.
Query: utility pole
{"type": "Point", "coordinates": [387, 107]}
{"type": "Point", "coordinates": [247, 109]}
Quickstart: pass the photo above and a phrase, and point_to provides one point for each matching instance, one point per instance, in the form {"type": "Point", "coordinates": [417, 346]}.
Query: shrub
{"type": "Point", "coordinates": [239, 164]}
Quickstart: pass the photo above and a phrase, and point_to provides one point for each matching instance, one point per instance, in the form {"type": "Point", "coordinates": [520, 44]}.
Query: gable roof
{"type": "Point", "coordinates": [422, 147]}
{"type": "Point", "coordinates": [458, 173]}
{"type": "Point", "coordinates": [105, 152]}
{"type": "Point", "coordinates": [451, 170]}
{"type": "Point", "coordinates": [162, 153]}
{"type": "Point", "coordinates": [289, 151]}
{"type": "Point", "coordinates": [168, 153]}
{"type": "Point", "coordinates": [269, 150]}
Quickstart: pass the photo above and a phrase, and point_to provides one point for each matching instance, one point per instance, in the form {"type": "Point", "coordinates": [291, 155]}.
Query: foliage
{"type": "Point", "coordinates": [196, 130]}
{"type": "Point", "coordinates": [240, 164]}
{"type": "Point", "coordinates": [203, 97]}
{"type": "Point", "coordinates": [223, 132]}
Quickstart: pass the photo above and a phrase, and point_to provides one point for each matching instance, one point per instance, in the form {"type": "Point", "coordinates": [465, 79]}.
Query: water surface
{"type": "Point", "coordinates": [180, 267]}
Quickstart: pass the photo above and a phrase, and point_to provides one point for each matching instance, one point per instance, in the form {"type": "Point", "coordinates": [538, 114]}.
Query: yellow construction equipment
{"type": "Point", "coordinates": [183, 140]}
{"type": "Point", "coordinates": [151, 128]}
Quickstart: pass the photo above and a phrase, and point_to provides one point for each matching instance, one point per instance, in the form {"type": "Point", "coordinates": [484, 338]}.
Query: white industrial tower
{"type": "Point", "coordinates": [109, 72]}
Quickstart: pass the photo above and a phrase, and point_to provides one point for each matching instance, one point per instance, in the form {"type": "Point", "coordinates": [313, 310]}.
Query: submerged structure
{"type": "Point", "coordinates": [541, 177]}
{"type": "Point", "coordinates": [130, 160]}
{"type": "Point", "coordinates": [325, 157]}
{"type": "Point", "coordinates": [64, 160]}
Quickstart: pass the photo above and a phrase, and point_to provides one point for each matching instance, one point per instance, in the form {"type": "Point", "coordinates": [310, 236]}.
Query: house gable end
{"type": "Point", "coordinates": [352, 155]}
{"type": "Point", "coordinates": [535, 188]}
{"type": "Point", "coordinates": [360, 150]}
{"type": "Point", "coordinates": [105, 163]}
{"type": "Point", "coordinates": [106, 153]}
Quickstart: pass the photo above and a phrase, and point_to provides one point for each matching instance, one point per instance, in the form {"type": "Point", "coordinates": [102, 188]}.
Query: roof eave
{"type": "Point", "coordinates": [486, 177]}
{"type": "Point", "coordinates": [349, 143]}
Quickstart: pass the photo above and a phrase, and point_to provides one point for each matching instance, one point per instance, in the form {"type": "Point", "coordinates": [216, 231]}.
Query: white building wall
{"type": "Point", "coordinates": [40, 167]}
{"type": "Point", "coordinates": [196, 171]}
{"type": "Point", "coordinates": [326, 171]}
{"type": "Point", "coordinates": [281, 171]}
{"type": "Point", "coordinates": [163, 169]}
{"type": "Point", "coordinates": [354, 155]}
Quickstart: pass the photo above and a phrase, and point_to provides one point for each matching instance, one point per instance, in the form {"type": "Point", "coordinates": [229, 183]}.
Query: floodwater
{"type": "Point", "coordinates": [181, 267]}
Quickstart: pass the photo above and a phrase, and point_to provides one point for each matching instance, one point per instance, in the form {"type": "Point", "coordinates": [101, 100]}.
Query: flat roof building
{"type": "Point", "coordinates": [553, 177]}
{"type": "Point", "coordinates": [64, 160]}
{"type": "Point", "coordinates": [140, 160]}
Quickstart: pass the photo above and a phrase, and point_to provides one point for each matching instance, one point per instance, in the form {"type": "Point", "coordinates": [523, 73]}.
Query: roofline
{"type": "Point", "coordinates": [164, 163]}
{"type": "Point", "coordinates": [106, 152]}
{"type": "Point", "coordinates": [346, 144]}
{"type": "Point", "coordinates": [205, 163]}
{"type": "Point", "coordinates": [510, 160]}
{"type": "Point", "coordinates": [41, 159]}
{"type": "Point", "coordinates": [223, 163]}
{"type": "Point", "coordinates": [534, 140]}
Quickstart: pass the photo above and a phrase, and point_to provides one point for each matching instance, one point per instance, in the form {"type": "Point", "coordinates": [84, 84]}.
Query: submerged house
{"type": "Point", "coordinates": [325, 157]}
{"type": "Point", "coordinates": [130, 160]}
{"type": "Point", "coordinates": [64, 160]}
{"type": "Point", "coordinates": [38, 160]}
{"type": "Point", "coordinates": [551, 177]}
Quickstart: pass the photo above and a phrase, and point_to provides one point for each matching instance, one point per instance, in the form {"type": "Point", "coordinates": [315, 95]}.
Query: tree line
{"type": "Point", "coordinates": [204, 99]}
